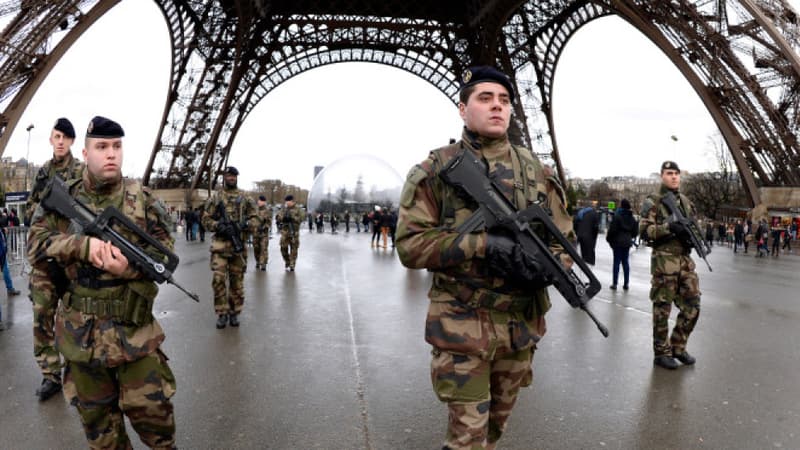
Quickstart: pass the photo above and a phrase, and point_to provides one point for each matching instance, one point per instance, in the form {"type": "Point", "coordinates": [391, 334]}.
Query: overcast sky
{"type": "Point", "coordinates": [617, 101]}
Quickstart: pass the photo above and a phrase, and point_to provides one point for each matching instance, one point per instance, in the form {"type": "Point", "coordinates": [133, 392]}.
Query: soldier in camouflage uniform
{"type": "Point", "coordinates": [261, 236]}
{"type": "Point", "coordinates": [674, 279]}
{"type": "Point", "coordinates": [42, 294]}
{"type": "Point", "coordinates": [483, 327]}
{"type": "Point", "coordinates": [105, 328]}
{"type": "Point", "coordinates": [227, 265]}
{"type": "Point", "coordinates": [290, 217]}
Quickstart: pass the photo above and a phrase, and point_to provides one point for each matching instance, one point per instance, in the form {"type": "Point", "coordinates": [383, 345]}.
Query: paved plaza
{"type": "Point", "coordinates": [332, 356]}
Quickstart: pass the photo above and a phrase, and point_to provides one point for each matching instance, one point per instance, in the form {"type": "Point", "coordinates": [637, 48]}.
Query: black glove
{"type": "Point", "coordinates": [507, 259]}
{"type": "Point", "coordinates": [681, 232]}
{"type": "Point", "coordinates": [678, 230]}
{"type": "Point", "coordinates": [225, 229]}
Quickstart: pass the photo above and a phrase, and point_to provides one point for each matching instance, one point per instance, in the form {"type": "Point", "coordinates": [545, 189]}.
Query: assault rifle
{"type": "Point", "coordinates": [286, 221]}
{"type": "Point", "coordinates": [229, 230]}
{"type": "Point", "coordinates": [158, 268]}
{"type": "Point", "coordinates": [469, 173]}
{"type": "Point", "coordinates": [689, 225]}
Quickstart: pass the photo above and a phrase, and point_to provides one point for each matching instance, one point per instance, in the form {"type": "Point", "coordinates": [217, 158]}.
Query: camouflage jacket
{"type": "Point", "coordinates": [239, 209]}
{"type": "Point", "coordinates": [69, 168]}
{"type": "Point", "coordinates": [431, 210]}
{"type": "Point", "coordinates": [264, 214]}
{"type": "Point", "coordinates": [102, 338]}
{"type": "Point", "coordinates": [654, 228]}
{"type": "Point", "coordinates": [291, 219]}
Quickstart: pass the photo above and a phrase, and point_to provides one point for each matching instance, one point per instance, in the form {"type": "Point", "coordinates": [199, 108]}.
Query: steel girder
{"type": "Point", "coordinates": [740, 57]}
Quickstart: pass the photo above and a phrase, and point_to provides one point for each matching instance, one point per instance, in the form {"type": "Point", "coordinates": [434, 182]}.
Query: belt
{"type": "Point", "coordinates": [97, 306]}
{"type": "Point", "coordinates": [480, 297]}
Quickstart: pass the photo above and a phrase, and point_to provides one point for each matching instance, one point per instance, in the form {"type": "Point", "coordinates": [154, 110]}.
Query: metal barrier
{"type": "Point", "coordinates": [17, 241]}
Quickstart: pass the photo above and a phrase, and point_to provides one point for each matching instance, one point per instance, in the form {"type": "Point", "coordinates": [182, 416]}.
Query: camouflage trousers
{"type": "Point", "coordinates": [481, 390]}
{"type": "Point", "coordinates": [45, 303]}
{"type": "Point", "coordinates": [289, 245]}
{"type": "Point", "coordinates": [674, 281]}
{"type": "Point", "coordinates": [141, 390]}
{"type": "Point", "coordinates": [261, 249]}
{"type": "Point", "coordinates": [228, 282]}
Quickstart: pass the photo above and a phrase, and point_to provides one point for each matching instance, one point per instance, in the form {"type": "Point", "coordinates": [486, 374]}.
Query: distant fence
{"type": "Point", "coordinates": [17, 241]}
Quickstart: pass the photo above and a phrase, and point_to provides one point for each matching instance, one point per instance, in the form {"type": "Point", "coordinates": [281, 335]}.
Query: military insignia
{"type": "Point", "coordinates": [90, 127]}
{"type": "Point", "coordinates": [668, 165]}
{"type": "Point", "coordinates": [467, 76]}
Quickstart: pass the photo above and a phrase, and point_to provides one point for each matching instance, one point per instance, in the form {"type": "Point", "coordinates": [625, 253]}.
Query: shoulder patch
{"type": "Point", "coordinates": [413, 179]}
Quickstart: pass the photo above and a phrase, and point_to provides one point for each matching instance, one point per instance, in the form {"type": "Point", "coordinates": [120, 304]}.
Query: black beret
{"type": "Point", "coordinates": [262, 198]}
{"type": "Point", "coordinates": [289, 198]}
{"type": "Point", "coordinates": [670, 165]}
{"type": "Point", "coordinates": [101, 127]}
{"type": "Point", "coordinates": [484, 74]}
{"type": "Point", "coordinates": [230, 170]}
{"type": "Point", "coordinates": [65, 126]}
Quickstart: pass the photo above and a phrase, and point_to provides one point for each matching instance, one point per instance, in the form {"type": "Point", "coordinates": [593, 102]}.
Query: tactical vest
{"type": "Point", "coordinates": [96, 292]}
{"type": "Point", "coordinates": [529, 182]}
{"type": "Point", "coordinates": [669, 244]}
{"type": "Point", "coordinates": [233, 209]}
{"type": "Point", "coordinates": [529, 187]}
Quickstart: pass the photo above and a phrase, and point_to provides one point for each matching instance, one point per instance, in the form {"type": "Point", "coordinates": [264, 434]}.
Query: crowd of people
{"type": "Point", "coordinates": [767, 239]}
{"type": "Point", "coordinates": [381, 223]}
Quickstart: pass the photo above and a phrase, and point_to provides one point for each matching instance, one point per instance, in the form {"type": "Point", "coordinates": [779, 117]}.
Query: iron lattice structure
{"type": "Point", "coordinates": [740, 56]}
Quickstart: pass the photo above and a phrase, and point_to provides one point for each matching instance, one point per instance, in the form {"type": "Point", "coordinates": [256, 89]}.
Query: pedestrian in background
{"type": "Point", "coordinates": [620, 236]}
{"type": "Point", "coordinates": [710, 233]}
{"type": "Point", "coordinates": [762, 235]}
{"type": "Point", "coordinates": [738, 235]}
{"type": "Point", "coordinates": [587, 226]}
{"type": "Point", "coordinates": [365, 221]}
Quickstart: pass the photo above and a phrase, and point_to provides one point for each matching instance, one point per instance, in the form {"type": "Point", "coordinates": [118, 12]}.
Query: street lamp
{"type": "Point", "coordinates": [28, 155]}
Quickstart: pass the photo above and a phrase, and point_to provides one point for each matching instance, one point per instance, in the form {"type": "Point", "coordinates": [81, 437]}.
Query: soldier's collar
{"type": "Point", "coordinates": [63, 162]}
{"type": "Point", "coordinates": [474, 141]}
{"type": "Point", "coordinates": [98, 186]}
{"type": "Point", "coordinates": [664, 189]}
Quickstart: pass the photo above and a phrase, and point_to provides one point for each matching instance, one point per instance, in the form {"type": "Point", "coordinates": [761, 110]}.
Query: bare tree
{"type": "Point", "coordinates": [601, 192]}
{"type": "Point", "coordinates": [709, 191]}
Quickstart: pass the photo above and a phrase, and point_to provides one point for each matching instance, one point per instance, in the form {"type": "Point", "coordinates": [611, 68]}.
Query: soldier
{"type": "Point", "coordinates": [228, 213]}
{"type": "Point", "coordinates": [42, 294]}
{"type": "Point", "coordinates": [483, 327]}
{"type": "Point", "coordinates": [261, 236]}
{"type": "Point", "coordinates": [105, 328]}
{"type": "Point", "coordinates": [674, 276]}
{"type": "Point", "coordinates": [290, 218]}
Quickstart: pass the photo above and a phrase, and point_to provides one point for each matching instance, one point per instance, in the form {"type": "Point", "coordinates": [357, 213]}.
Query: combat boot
{"type": "Point", "coordinates": [222, 321]}
{"type": "Point", "coordinates": [48, 389]}
{"type": "Point", "coordinates": [12, 292]}
{"type": "Point", "coordinates": [666, 362]}
{"type": "Point", "coordinates": [234, 320]}
{"type": "Point", "coordinates": [684, 357]}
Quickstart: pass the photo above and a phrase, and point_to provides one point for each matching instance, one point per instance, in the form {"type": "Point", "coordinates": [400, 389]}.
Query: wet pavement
{"type": "Point", "coordinates": [332, 356]}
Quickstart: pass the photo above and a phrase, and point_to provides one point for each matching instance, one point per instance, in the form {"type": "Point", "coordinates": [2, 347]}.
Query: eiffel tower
{"type": "Point", "coordinates": [740, 56]}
